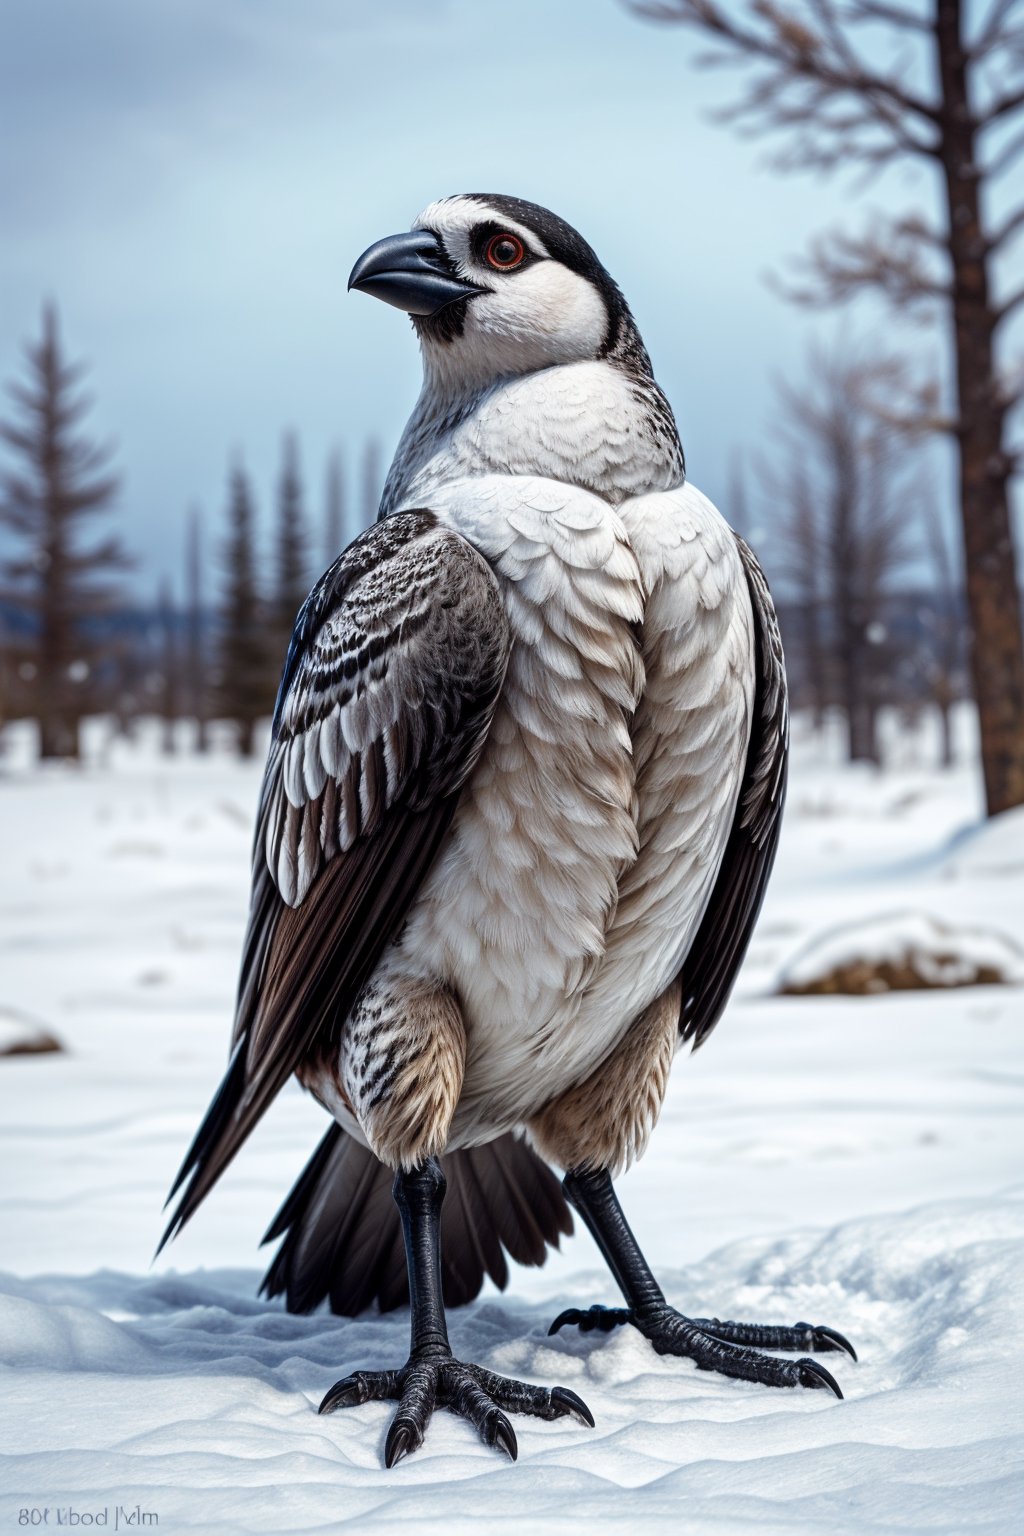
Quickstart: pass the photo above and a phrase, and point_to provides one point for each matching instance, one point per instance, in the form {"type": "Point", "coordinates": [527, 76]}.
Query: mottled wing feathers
{"type": "Point", "coordinates": [394, 669]}
{"type": "Point", "coordinates": [341, 1233]}
{"type": "Point", "coordinates": [717, 952]}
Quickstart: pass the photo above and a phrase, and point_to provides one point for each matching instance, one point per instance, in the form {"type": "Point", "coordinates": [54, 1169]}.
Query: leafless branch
{"type": "Point", "coordinates": [992, 32]}
{"type": "Point", "coordinates": [877, 10]}
{"type": "Point", "coordinates": [1007, 229]}
{"type": "Point", "coordinates": [888, 258]}
{"type": "Point", "coordinates": [794, 53]}
{"type": "Point", "coordinates": [1009, 305]}
{"type": "Point", "coordinates": [1003, 106]}
{"type": "Point", "coordinates": [1006, 156]}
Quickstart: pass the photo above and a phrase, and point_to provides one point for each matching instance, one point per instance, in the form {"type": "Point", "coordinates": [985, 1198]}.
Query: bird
{"type": "Point", "coordinates": [521, 804]}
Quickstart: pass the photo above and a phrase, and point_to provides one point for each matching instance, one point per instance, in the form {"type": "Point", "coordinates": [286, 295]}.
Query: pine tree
{"type": "Point", "coordinates": [292, 574]}
{"type": "Point", "coordinates": [373, 481]}
{"type": "Point", "coordinates": [336, 534]}
{"type": "Point", "coordinates": [62, 479]}
{"type": "Point", "coordinates": [195, 680]}
{"type": "Point", "coordinates": [170, 666]}
{"type": "Point", "coordinates": [245, 692]}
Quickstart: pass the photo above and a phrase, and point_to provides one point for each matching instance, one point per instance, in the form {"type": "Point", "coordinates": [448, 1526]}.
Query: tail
{"type": "Point", "coordinates": [343, 1238]}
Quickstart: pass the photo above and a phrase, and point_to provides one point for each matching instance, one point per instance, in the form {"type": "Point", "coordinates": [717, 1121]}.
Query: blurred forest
{"type": "Point", "coordinates": [76, 639]}
{"type": "Point", "coordinates": [893, 592]}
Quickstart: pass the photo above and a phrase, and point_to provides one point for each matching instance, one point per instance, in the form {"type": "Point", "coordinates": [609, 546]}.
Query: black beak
{"type": "Point", "coordinates": [410, 271]}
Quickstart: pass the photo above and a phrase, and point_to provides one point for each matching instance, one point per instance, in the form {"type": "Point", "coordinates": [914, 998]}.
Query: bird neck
{"type": "Point", "coordinates": [593, 424]}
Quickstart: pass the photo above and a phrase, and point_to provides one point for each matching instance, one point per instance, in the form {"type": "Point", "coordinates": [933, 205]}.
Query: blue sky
{"type": "Point", "coordinates": [192, 181]}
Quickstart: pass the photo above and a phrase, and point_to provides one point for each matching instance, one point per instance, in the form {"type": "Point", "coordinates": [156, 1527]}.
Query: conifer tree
{"type": "Point", "coordinates": [60, 479]}
{"type": "Point", "coordinates": [373, 481]}
{"type": "Point", "coordinates": [245, 692]}
{"type": "Point", "coordinates": [292, 570]}
{"type": "Point", "coordinates": [195, 678]}
{"type": "Point", "coordinates": [170, 666]}
{"type": "Point", "coordinates": [336, 533]}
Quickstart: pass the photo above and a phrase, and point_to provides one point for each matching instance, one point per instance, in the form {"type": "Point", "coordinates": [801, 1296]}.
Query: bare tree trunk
{"type": "Point", "coordinates": [997, 656]}
{"type": "Point", "coordinates": [817, 677]}
{"type": "Point", "coordinates": [945, 734]}
{"type": "Point", "coordinates": [245, 738]}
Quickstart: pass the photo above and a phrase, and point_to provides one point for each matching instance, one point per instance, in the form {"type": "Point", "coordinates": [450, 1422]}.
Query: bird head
{"type": "Point", "coordinates": [498, 287]}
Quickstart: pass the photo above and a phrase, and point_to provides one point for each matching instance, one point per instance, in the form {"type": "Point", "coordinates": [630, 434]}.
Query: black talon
{"type": "Point", "coordinates": [586, 1319]}
{"type": "Point", "coordinates": [828, 1339]}
{"type": "Point", "coordinates": [567, 1402]}
{"type": "Point", "coordinates": [432, 1378]}
{"type": "Point", "coordinates": [733, 1349]}
{"type": "Point", "coordinates": [819, 1376]}
{"type": "Point", "coordinates": [344, 1394]}
{"type": "Point", "coordinates": [400, 1441]}
{"type": "Point", "coordinates": [505, 1437]}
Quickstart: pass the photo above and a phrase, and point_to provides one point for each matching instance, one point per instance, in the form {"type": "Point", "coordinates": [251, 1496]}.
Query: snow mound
{"type": "Point", "coordinates": [902, 952]}
{"type": "Point", "coordinates": [22, 1036]}
{"type": "Point", "coordinates": [188, 1397]}
{"type": "Point", "coordinates": [993, 849]}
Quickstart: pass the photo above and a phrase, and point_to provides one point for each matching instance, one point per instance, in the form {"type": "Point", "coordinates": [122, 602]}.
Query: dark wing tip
{"type": "Point", "coordinates": [727, 926]}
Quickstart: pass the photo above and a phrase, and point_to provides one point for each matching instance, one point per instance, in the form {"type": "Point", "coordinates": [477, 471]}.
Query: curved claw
{"type": "Point", "coordinates": [588, 1318]}
{"type": "Point", "coordinates": [572, 1316]}
{"type": "Point", "coordinates": [504, 1436]}
{"type": "Point", "coordinates": [567, 1402]}
{"type": "Point", "coordinates": [819, 1376]}
{"type": "Point", "coordinates": [830, 1338]}
{"type": "Point", "coordinates": [401, 1440]}
{"type": "Point", "coordinates": [344, 1394]}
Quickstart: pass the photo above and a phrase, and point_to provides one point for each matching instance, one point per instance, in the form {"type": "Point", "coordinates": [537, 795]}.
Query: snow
{"type": "Point", "coordinates": [849, 1161]}
{"type": "Point", "coordinates": [932, 953]}
{"type": "Point", "coordinates": [20, 1034]}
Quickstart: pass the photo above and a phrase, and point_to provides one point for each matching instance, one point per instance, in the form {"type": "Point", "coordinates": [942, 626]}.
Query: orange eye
{"type": "Point", "coordinates": [505, 252]}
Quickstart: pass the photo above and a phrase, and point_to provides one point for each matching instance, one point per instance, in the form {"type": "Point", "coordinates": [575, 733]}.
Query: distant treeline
{"type": "Point", "coordinates": [74, 641]}
{"type": "Point", "coordinates": [868, 588]}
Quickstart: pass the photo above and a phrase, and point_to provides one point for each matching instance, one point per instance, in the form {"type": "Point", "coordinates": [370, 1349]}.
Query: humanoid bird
{"type": "Point", "coordinates": [521, 804]}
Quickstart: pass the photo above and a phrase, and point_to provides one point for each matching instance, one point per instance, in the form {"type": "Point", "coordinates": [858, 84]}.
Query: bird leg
{"type": "Point", "coordinates": [730, 1348]}
{"type": "Point", "coordinates": [432, 1377]}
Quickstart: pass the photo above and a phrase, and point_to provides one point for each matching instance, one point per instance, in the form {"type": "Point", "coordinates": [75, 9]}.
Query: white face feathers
{"type": "Point", "coordinates": [531, 309]}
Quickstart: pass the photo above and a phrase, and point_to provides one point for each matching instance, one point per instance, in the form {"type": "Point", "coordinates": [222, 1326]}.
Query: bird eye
{"type": "Point", "coordinates": [505, 252]}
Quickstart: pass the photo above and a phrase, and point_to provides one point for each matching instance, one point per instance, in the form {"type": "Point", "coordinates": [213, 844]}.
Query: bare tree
{"type": "Point", "coordinates": [843, 512]}
{"type": "Point", "coordinates": [739, 507]}
{"type": "Point", "coordinates": [196, 691]}
{"type": "Point", "coordinates": [874, 83]}
{"type": "Point", "coordinates": [799, 529]}
{"type": "Point", "coordinates": [62, 480]}
{"type": "Point", "coordinates": [944, 664]}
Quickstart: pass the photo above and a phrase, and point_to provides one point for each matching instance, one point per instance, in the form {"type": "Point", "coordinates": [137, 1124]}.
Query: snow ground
{"type": "Point", "coordinates": [854, 1161]}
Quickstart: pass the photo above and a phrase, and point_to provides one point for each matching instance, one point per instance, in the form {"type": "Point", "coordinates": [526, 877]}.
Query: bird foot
{"type": "Point", "coordinates": [431, 1381]}
{"type": "Point", "coordinates": [730, 1348]}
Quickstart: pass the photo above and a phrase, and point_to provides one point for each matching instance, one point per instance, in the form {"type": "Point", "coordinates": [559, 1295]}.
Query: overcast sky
{"type": "Point", "coordinates": [192, 180]}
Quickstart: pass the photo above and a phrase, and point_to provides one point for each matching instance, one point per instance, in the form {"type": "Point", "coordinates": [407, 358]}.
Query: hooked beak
{"type": "Point", "coordinates": [410, 271]}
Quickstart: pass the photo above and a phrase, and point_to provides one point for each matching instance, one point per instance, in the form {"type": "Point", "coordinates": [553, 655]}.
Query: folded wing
{"type": "Point", "coordinates": [392, 675]}
{"type": "Point", "coordinates": [716, 954]}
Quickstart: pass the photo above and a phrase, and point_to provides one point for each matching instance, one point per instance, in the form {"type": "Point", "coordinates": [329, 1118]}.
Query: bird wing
{"type": "Point", "coordinates": [716, 954]}
{"type": "Point", "coordinates": [390, 683]}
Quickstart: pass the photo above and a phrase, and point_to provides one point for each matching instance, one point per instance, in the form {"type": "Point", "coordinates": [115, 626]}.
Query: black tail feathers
{"type": "Point", "coordinates": [343, 1238]}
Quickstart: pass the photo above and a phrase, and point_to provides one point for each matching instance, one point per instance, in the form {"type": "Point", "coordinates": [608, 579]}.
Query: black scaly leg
{"type": "Point", "coordinates": [432, 1377]}
{"type": "Point", "coordinates": [715, 1346]}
